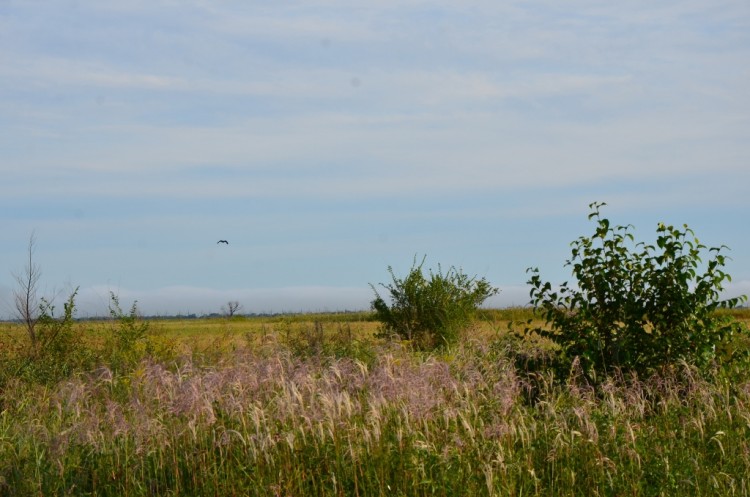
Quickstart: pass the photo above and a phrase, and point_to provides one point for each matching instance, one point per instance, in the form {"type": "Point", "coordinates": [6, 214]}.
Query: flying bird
{"type": "Point", "coordinates": [222, 241]}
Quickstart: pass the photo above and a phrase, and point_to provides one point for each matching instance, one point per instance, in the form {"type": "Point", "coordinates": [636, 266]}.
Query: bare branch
{"type": "Point", "coordinates": [25, 296]}
{"type": "Point", "coordinates": [231, 308]}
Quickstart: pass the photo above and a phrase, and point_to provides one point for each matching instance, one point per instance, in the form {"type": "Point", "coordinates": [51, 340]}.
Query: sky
{"type": "Point", "coordinates": [327, 140]}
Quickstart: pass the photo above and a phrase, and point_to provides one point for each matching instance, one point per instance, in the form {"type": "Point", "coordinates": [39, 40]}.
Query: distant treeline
{"type": "Point", "coordinates": [485, 314]}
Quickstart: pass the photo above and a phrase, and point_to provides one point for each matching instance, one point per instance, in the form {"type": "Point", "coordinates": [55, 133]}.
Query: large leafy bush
{"type": "Point", "coordinates": [636, 306]}
{"type": "Point", "coordinates": [430, 310]}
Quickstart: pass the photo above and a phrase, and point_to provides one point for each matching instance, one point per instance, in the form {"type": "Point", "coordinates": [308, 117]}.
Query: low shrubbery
{"type": "Point", "coordinates": [430, 310]}
{"type": "Point", "coordinates": [62, 348]}
{"type": "Point", "coordinates": [54, 354]}
{"type": "Point", "coordinates": [129, 339]}
{"type": "Point", "coordinates": [407, 424]}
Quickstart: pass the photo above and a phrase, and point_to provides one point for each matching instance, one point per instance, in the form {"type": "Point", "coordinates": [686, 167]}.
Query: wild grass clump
{"type": "Point", "coordinates": [326, 341]}
{"type": "Point", "coordinates": [273, 422]}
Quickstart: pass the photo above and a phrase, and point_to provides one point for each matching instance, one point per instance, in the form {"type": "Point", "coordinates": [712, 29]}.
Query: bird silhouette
{"type": "Point", "coordinates": [222, 241]}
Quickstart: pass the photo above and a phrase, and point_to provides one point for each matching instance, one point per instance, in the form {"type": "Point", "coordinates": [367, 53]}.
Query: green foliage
{"type": "Point", "coordinates": [56, 354]}
{"type": "Point", "coordinates": [430, 310]}
{"type": "Point", "coordinates": [55, 333]}
{"type": "Point", "coordinates": [636, 306]}
{"type": "Point", "coordinates": [326, 341]}
{"type": "Point", "coordinates": [450, 424]}
{"type": "Point", "coordinates": [128, 339]}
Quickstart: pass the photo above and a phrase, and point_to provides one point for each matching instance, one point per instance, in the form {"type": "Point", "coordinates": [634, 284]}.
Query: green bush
{"type": "Point", "coordinates": [430, 310]}
{"type": "Point", "coordinates": [129, 340]}
{"type": "Point", "coordinates": [56, 354]}
{"type": "Point", "coordinates": [636, 306]}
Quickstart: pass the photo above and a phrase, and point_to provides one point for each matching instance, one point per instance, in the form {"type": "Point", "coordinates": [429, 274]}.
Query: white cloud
{"type": "Point", "coordinates": [537, 106]}
{"type": "Point", "coordinates": [736, 289]}
{"type": "Point", "coordinates": [195, 300]}
{"type": "Point", "coordinates": [289, 27]}
{"type": "Point", "coordinates": [94, 300]}
{"type": "Point", "coordinates": [57, 72]}
{"type": "Point", "coordinates": [381, 155]}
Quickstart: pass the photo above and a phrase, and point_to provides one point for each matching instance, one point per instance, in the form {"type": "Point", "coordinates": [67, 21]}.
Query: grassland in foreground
{"type": "Point", "coordinates": [317, 405]}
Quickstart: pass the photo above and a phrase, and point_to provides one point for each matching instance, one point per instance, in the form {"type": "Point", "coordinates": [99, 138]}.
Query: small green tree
{"type": "Point", "coordinates": [430, 310]}
{"type": "Point", "coordinates": [636, 306]}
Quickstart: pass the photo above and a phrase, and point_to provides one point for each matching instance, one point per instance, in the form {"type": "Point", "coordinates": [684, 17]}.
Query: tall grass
{"type": "Point", "coordinates": [270, 421]}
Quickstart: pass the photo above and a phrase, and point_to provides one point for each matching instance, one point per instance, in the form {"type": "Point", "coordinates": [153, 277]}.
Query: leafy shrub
{"type": "Point", "coordinates": [128, 339]}
{"type": "Point", "coordinates": [636, 306]}
{"type": "Point", "coordinates": [430, 310]}
{"type": "Point", "coordinates": [56, 354]}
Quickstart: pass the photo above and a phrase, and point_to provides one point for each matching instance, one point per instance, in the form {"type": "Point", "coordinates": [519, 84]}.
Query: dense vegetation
{"type": "Point", "coordinates": [430, 311]}
{"type": "Point", "coordinates": [460, 401]}
{"type": "Point", "coordinates": [289, 415]}
{"type": "Point", "coordinates": [639, 307]}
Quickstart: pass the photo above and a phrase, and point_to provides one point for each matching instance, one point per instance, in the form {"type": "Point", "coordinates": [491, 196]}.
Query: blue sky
{"type": "Point", "coordinates": [327, 140]}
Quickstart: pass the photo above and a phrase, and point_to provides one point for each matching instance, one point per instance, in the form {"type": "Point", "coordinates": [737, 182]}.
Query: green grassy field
{"type": "Point", "coordinates": [318, 405]}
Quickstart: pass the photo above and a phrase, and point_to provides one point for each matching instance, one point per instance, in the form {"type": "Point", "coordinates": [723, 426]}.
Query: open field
{"type": "Point", "coordinates": [221, 334]}
{"type": "Point", "coordinates": [318, 405]}
{"type": "Point", "coordinates": [211, 333]}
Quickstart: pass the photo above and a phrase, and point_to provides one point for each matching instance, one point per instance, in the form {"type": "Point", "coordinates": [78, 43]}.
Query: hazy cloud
{"type": "Point", "coordinates": [331, 139]}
